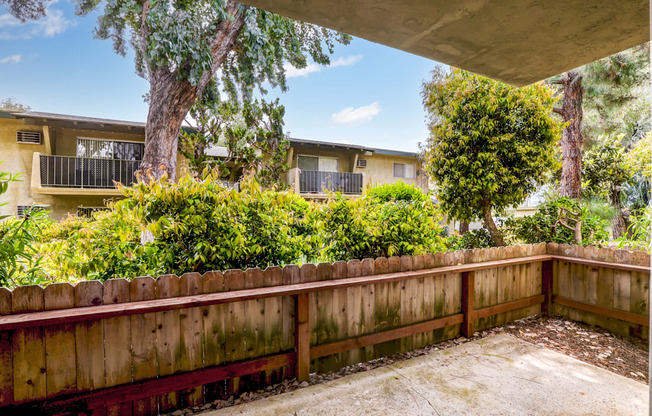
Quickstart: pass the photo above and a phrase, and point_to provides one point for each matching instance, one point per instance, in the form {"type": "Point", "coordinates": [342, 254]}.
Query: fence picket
{"type": "Point", "coordinates": [89, 338]}
{"type": "Point", "coordinates": [117, 334]}
{"type": "Point", "coordinates": [191, 343]}
{"type": "Point", "coordinates": [408, 295]}
{"type": "Point", "coordinates": [6, 362]}
{"type": "Point", "coordinates": [290, 276]}
{"type": "Point", "coordinates": [168, 338]}
{"type": "Point", "coordinates": [60, 354]}
{"type": "Point", "coordinates": [234, 323]}
{"type": "Point", "coordinates": [214, 333]}
{"type": "Point", "coordinates": [325, 327]}
{"type": "Point", "coordinates": [254, 325]}
{"type": "Point", "coordinates": [354, 309]}
{"type": "Point", "coordinates": [273, 276]}
{"type": "Point", "coordinates": [143, 343]}
{"type": "Point", "coordinates": [368, 306]}
{"type": "Point", "coordinates": [28, 347]}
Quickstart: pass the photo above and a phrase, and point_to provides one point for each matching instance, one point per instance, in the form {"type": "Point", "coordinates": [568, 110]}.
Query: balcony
{"type": "Point", "coordinates": [316, 182]}
{"type": "Point", "coordinates": [66, 175]}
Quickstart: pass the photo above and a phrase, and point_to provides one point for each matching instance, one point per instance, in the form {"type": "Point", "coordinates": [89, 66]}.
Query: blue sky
{"type": "Point", "coordinates": [370, 95]}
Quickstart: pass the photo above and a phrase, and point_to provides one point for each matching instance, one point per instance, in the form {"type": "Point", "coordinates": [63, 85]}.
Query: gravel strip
{"type": "Point", "coordinates": [622, 355]}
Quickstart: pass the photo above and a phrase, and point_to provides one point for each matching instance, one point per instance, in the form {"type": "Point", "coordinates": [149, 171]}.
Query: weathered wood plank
{"type": "Point", "coordinates": [89, 339]}
{"type": "Point", "coordinates": [368, 307]}
{"type": "Point", "coordinates": [28, 347]}
{"type": "Point", "coordinates": [60, 362]}
{"type": "Point", "coordinates": [214, 332]}
{"type": "Point", "coordinates": [302, 336]}
{"type": "Point", "coordinates": [117, 344]}
{"type": "Point", "coordinates": [234, 323]}
{"type": "Point", "coordinates": [408, 294]}
{"type": "Point", "coordinates": [468, 304]}
{"type": "Point", "coordinates": [254, 325]}
{"type": "Point", "coordinates": [168, 338]}
{"type": "Point", "coordinates": [290, 276]}
{"type": "Point", "coordinates": [340, 308]}
{"type": "Point", "coordinates": [354, 309]}
{"type": "Point", "coordinates": [143, 343]}
{"type": "Point", "coordinates": [418, 312]}
{"type": "Point", "coordinates": [6, 363]}
{"type": "Point", "coordinates": [273, 329]}
{"type": "Point", "coordinates": [191, 329]}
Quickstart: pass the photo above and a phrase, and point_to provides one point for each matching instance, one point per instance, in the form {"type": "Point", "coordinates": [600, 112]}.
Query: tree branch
{"type": "Point", "coordinates": [558, 110]}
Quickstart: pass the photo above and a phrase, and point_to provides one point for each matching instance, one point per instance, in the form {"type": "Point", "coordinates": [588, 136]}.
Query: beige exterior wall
{"type": "Point", "coordinates": [17, 158]}
{"type": "Point", "coordinates": [379, 169]}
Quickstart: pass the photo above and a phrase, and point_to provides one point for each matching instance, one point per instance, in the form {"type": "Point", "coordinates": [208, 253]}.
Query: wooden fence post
{"type": "Point", "coordinates": [546, 287]}
{"type": "Point", "coordinates": [302, 336]}
{"type": "Point", "coordinates": [468, 303]}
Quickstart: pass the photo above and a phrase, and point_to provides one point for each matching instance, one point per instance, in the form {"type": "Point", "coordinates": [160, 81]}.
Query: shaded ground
{"type": "Point", "coordinates": [622, 355]}
{"type": "Point", "coordinates": [495, 375]}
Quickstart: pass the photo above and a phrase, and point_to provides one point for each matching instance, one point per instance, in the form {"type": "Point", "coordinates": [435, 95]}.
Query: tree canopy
{"type": "Point", "coordinates": [184, 48]}
{"type": "Point", "coordinates": [489, 145]}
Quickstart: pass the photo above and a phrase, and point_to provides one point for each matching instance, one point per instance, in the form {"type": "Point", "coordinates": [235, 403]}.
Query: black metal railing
{"type": "Point", "coordinates": [319, 182]}
{"type": "Point", "coordinates": [82, 172]}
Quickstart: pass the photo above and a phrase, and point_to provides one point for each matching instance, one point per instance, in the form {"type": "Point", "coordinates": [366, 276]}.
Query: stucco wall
{"type": "Point", "coordinates": [17, 158]}
{"type": "Point", "coordinates": [380, 169]}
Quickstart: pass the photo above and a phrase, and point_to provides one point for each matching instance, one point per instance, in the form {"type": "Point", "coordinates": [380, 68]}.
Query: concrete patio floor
{"type": "Point", "coordinates": [497, 375]}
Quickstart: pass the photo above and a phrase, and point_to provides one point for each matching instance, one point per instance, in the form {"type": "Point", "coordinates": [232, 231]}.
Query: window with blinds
{"type": "Point", "coordinates": [109, 149]}
{"type": "Point", "coordinates": [405, 170]}
{"type": "Point", "coordinates": [315, 163]}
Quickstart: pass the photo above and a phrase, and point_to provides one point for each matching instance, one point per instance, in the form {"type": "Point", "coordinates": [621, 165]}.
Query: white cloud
{"type": "Point", "coordinates": [352, 115]}
{"type": "Point", "coordinates": [11, 59]}
{"type": "Point", "coordinates": [292, 72]}
{"type": "Point", "coordinates": [54, 23]}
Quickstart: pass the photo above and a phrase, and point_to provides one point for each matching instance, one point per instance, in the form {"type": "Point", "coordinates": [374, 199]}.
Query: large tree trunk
{"type": "Point", "coordinates": [571, 142]}
{"type": "Point", "coordinates": [496, 236]}
{"type": "Point", "coordinates": [170, 101]}
{"type": "Point", "coordinates": [464, 227]}
{"type": "Point", "coordinates": [618, 227]}
{"type": "Point", "coordinates": [171, 98]}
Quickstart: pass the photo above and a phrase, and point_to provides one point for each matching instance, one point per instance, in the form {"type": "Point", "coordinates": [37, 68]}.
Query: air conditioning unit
{"type": "Point", "coordinates": [31, 137]}
{"type": "Point", "coordinates": [21, 210]}
{"type": "Point", "coordinates": [362, 163]}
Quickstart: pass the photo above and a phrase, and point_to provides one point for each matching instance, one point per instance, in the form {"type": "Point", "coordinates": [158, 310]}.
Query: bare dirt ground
{"type": "Point", "coordinates": [622, 355]}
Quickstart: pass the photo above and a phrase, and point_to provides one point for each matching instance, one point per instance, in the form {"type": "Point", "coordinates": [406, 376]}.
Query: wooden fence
{"type": "Point", "coordinates": [151, 345]}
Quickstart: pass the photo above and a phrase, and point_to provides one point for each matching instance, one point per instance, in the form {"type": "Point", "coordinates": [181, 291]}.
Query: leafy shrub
{"type": "Point", "coordinates": [398, 191]}
{"type": "Point", "coordinates": [20, 263]}
{"type": "Point", "coordinates": [539, 227]}
{"type": "Point", "coordinates": [479, 238]}
{"type": "Point", "coordinates": [367, 227]}
{"type": "Point", "coordinates": [638, 232]}
{"type": "Point", "coordinates": [104, 247]}
{"type": "Point", "coordinates": [198, 225]}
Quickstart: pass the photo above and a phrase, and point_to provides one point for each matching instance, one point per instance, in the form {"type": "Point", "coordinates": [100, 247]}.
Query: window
{"type": "Point", "coordinates": [315, 163]}
{"type": "Point", "coordinates": [362, 163]}
{"type": "Point", "coordinates": [109, 149]}
{"type": "Point", "coordinates": [405, 170]}
{"type": "Point", "coordinates": [31, 137]}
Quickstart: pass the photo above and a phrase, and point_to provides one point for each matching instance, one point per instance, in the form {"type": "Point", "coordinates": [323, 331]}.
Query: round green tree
{"type": "Point", "coordinates": [490, 144]}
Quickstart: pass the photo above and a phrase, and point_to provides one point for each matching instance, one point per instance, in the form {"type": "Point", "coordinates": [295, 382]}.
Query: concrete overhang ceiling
{"type": "Point", "coordinates": [515, 41]}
